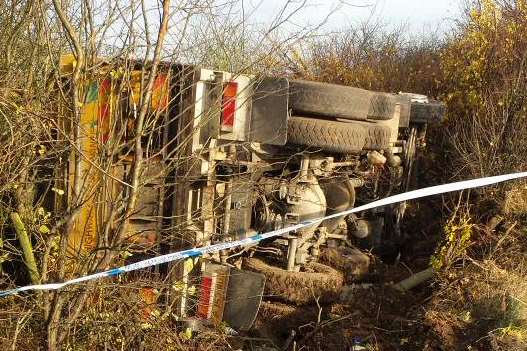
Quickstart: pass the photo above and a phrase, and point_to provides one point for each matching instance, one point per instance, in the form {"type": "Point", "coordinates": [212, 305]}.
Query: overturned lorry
{"type": "Point", "coordinates": [227, 156]}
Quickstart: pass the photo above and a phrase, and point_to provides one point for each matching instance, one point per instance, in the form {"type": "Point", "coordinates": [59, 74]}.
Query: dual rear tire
{"type": "Point", "coordinates": [339, 137]}
{"type": "Point", "coordinates": [339, 101]}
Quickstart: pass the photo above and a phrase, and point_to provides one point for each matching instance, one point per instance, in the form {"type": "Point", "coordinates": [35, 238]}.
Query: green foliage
{"type": "Point", "coordinates": [458, 234]}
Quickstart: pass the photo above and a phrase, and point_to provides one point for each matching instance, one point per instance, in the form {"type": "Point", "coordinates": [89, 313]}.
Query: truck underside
{"type": "Point", "coordinates": [228, 156]}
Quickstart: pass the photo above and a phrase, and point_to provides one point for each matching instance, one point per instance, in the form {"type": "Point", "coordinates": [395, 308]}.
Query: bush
{"type": "Point", "coordinates": [484, 68]}
{"type": "Point", "coordinates": [372, 57]}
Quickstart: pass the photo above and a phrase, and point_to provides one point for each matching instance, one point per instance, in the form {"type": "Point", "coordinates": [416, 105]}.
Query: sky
{"type": "Point", "coordinates": [418, 15]}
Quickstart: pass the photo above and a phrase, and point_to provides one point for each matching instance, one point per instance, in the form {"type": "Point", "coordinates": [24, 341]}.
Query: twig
{"type": "Point", "coordinates": [323, 325]}
{"type": "Point", "coordinates": [506, 234]}
{"type": "Point", "coordinates": [19, 325]}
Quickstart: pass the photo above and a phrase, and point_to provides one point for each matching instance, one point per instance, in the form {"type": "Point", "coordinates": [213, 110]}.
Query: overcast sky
{"type": "Point", "coordinates": [419, 15]}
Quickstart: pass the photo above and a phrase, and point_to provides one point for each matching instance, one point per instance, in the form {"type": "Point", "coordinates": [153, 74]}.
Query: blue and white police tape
{"type": "Point", "coordinates": [199, 251]}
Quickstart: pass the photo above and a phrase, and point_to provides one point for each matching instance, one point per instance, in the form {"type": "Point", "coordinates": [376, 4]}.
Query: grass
{"type": "Point", "coordinates": [484, 299]}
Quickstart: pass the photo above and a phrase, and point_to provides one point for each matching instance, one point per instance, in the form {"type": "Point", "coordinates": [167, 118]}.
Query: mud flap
{"type": "Point", "coordinates": [270, 112]}
{"type": "Point", "coordinates": [244, 296]}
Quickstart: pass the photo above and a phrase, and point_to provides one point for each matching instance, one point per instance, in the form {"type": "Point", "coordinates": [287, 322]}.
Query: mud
{"type": "Point", "coordinates": [317, 282]}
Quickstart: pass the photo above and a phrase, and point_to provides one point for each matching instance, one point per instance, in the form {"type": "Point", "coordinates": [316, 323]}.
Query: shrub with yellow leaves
{"type": "Point", "coordinates": [484, 82]}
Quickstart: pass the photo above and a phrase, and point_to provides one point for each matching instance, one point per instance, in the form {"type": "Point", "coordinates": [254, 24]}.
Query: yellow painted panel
{"type": "Point", "coordinates": [94, 129]}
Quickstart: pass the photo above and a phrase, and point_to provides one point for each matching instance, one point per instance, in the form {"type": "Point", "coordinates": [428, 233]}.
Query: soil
{"type": "Point", "coordinates": [373, 314]}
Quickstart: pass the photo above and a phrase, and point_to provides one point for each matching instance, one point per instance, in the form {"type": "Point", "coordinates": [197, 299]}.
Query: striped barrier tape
{"type": "Point", "coordinates": [410, 195]}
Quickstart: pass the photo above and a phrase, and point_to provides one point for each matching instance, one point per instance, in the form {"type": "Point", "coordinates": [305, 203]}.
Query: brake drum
{"type": "Point", "coordinates": [306, 201]}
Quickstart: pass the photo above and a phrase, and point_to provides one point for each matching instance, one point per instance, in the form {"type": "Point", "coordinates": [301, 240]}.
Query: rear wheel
{"type": "Point", "coordinates": [340, 101]}
{"type": "Point", "coordinates": [315, 281]}
{"type": "Point", "coordinates": [334, 136]}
